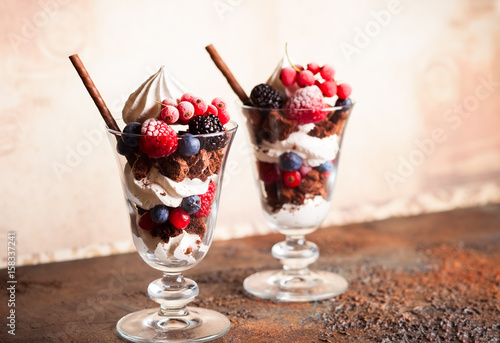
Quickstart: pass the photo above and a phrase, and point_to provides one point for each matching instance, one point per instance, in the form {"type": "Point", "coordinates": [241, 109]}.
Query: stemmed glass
{"type": "Point", "coordinates": [292, 210]}
{"type": "Point", "coordinates": [170, 251]}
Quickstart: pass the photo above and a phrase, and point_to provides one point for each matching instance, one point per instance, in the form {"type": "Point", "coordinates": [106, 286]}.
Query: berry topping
{"type": "Point", "coordinates": [131, 134]}
{"type": "Point", "coordinates": [268, 172]}
{"type": "Point", "coordinates": [306, 105]}
{"type": "Point", "coordinates": [191, 204]}
{"type": "Point", "coordinates": [265, 96]}
{"type": "Point", "coordinates": [158, 139]}
{"type": "Point", "coordinates": [124, 149]}
{"type": "Point", "coordinates": [187, 97]}
{"type": "Point", "coordinates": [169, 114]}
{"type": "Point", "coordinates": [223, 116]}
{"type": "Point", "coordinates": [220, 103]}
{"type": "Point", "coordinates": [328, 88]}
{"type": "Point", "coordinates": [179, 218]}
{"type": "Point", "coordinates": [304, 169]}
{"type": "Point", "coordinates": [291, 179]}
{"type": "Point", "coordinates": [288, 75]}
{"type": "Point", "coordinates": [159, 214]}
{"type": "Point", "coordinates": [290, 161]}
{"type": "Point", "coordinates": [188, 145]}
{"type": "Point", "coordinates": [168, 102]}
{"type": "Point", "coordinates": [146, 223]}
{"type": "Point", "coordinates": [186, 110]}
{"type": "Point", "coordinates": [200, 106]}
{"type": "Point", "coordinates": [305, 78]}
{"type": "Point", "coordinates": [299, 67]}
{"type": "Point", "coordinates": [211, 109]}
{"type": "Point", "coordinates": [313, 67]}
{"type": "Point", "coordinates": [344, 91]}
{"type": "Point", "coordinates": [208, 124]}
{"type": "Point", "coordinates": [326, 167]}
{"type": "Point", "coordinates": [327, 72]}
{"type": "Point", "coordinates": [343, 102]}
{"type": "Point", "coordinates": [206, 202]}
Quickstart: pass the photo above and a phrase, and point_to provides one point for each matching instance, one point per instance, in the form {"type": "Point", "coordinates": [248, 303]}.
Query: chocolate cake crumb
{"type": "Point", "coordinates": [174, 167]}
{"type": "Point", "coordinates": [323, 129]}
{"type": "Point", "coordinates": [313, 184]}
{"type": "Point", "coordinates": [165, 231]}
{"type": "Point", "coordinates": [197, 227]}
{"type": "Point", "coordinates": [197, 165]}
{"type": "Point", "coordinates": [188, 251]}
{"type": "Point", "coordinates": [215, 160]}
{"type": "Point", "coordinates": [275, 127]}
{"type": "Point", "coordinates": [141, 167]}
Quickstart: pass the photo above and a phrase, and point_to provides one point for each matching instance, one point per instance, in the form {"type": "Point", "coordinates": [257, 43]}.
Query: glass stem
{"type": "Point", "coordinates": [296, 254]}
{"type": "Point", "coordinates": [173, 292]}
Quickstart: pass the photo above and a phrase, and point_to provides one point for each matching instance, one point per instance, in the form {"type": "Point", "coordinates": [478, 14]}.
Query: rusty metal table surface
{"type": "Point", "coordinates": [428, 278]}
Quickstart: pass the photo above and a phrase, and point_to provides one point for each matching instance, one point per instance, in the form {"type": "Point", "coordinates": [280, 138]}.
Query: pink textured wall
{"type": "Point", "coordinates": [425, 76]}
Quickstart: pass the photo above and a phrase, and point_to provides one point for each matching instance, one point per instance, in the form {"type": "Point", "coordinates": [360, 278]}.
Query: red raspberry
{"type": "Point", "coordinates": [186, 110]}
{"type": "Point", "coordinates": [146, 223]}
{"type": "Point", "coordinates": [158, 139]}
{"type": "Point", "coordinates": [328, 88]}
{"type": "Point", "coordinates": [206, 202]}
{"type": "Point", "coordinates": [306, 106]}
{"type": "Point", "coordinates": [313, 67]}
{"type": "Point", "coordinates": [292, 179]}
{"type": "Point", "coordinates": [211, 109]}
{"type": "Point", "coordinates": [268, 172]}
{"type": "Point", "coordinates": [200, 106]}
{"type": "Point", "coordinates": [169, 114]}
{"type": "Point", "coordinates": [187, 97]}
{"type": "Point", "coordinates": [344, 91]}
{"type": "Point", "coordinates": [288, 75]}
{"type": "Point", "coordinates": [305, 78]}
{"type": "Point", "coordinates": [327, 72]}
{"type": "Point", "coordinates": [179, 218]}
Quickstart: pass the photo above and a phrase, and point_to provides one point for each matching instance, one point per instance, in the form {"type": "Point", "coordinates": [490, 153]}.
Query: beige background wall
{"type": "Point", "coordinates": [423, 135]}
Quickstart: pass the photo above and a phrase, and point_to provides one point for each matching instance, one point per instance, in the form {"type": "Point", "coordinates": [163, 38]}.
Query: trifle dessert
{"type": "Point", "coordinates": [172, 173]}
{"type": "Point", "coordinates": [296, 120]}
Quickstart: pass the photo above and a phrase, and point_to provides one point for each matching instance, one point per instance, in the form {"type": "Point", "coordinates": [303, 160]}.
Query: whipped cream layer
{"type": "Point", "coordinates": [314, 151]}
{"type": "Point", "coordinates": [144, 103]}
{"type": "Point", "coordinates": [310, 214]}
{"type": "Point", "coordinates": [179, 248]}
{"type": "Point", "coordinates": [156, 189]}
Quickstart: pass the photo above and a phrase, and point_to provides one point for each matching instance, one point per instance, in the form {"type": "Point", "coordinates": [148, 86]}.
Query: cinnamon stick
{"type": "Point", "coordinates": [94, 93]}
{"type": "Point", "coordinates": [227, 74]}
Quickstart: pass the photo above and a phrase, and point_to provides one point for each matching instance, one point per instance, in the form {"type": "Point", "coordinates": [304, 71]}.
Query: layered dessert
{"type": "Point", "coordinates": [174, 144]}
{"type": "Point", "coordinates": [296, 120]}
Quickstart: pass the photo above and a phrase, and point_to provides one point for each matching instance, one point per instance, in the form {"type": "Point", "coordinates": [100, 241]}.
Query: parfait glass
{"type": "Point", "coordinates": [146, 183]}
{"type": "Point", "coordinates": [295, 210]}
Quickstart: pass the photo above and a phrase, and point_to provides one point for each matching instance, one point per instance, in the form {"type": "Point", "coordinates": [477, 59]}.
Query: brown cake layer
{"type": "Point", "coordinates": [314, 183]}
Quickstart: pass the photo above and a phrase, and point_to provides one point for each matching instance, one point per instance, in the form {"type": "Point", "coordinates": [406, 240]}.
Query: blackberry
{"type": "Point", "coordinates": [265, 96]}
{"type": "Point", "coordinates": [203, 124]}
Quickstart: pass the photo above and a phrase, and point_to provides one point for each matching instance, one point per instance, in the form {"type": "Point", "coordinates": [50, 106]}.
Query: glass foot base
{"type": "Point", "coordinates": [199, 325]}
{"type": "Point", "coordinates": [276, 285]}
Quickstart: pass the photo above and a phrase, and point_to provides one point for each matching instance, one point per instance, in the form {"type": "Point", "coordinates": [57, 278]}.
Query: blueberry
{"type": "Point", "coordinates": [290, 161]}
{"type": "Point", "coordinates": [124, 149]}
{"type": "Point", "coordinates": [326, 167]}
{"type": "Point", "coordinates": [131, 134]}
{"type": "Point", "coordinates": [191, 204]}
{"type": "Point", "coordinates": [159, 214]}
{"type": "Point", "coordinates": [188, 145]}
{"type": "Point", "coordinates": [343, 102]}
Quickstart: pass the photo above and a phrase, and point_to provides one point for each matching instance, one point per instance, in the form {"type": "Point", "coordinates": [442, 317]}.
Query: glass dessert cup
{"type": "Point", "coordinates": [173, 252]}
{"type": "Point", "coordinates": [295, 211]}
